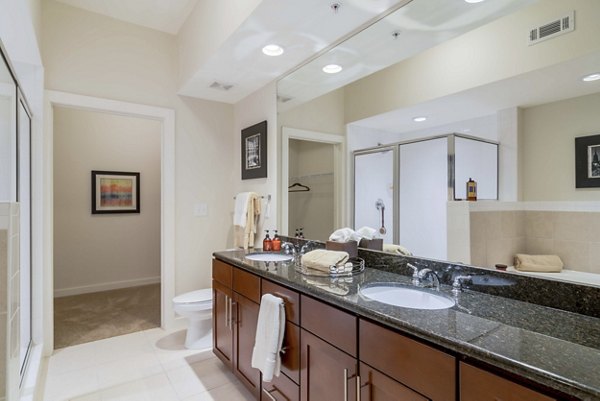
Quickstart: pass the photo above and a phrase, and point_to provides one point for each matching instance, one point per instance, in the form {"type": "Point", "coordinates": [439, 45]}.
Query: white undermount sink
{"type": "Point", "coordinates": [406, 297]}
{"type": "Point", "coordinates": [269, 257]}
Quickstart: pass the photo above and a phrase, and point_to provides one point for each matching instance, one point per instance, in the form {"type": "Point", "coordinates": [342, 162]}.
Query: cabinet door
{"type": "Point", "coordinates": [245, 314]}
{"type": "Point", "coordinates": [326, 373]}
{"type": "Point", "coordinates": [478, 385]}
{"type": "Point", "coordinates": [375, 386]}
{"type": "Point", "coordinates": [222, 323]}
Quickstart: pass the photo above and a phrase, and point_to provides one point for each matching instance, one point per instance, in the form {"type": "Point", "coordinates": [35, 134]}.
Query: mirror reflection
{"type": "Point", "coordinates": [490, 79]}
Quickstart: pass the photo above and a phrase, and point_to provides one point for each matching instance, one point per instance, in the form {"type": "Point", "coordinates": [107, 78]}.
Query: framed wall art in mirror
{"type": "Point", "coordinates": [115, 192]}
{"type": "Point", "coordinates": [587, 161]}
{"type": "Point", "coordinates": [254, 151]}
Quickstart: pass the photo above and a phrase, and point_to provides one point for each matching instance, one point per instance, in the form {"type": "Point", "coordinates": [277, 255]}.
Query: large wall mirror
{"type": "Point", "coordinates": [509, 72]}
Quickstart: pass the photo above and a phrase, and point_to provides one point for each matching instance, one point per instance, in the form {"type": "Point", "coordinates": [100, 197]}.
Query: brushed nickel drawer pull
{"type": "Point", "coordinates": [345, 384]}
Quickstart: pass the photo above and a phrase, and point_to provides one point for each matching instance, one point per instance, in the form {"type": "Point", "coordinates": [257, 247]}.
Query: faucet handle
{"type": "Point", "coordinates": [288, 248]}
{"type": "Point", "coordinates": [459, 281]}
{"type": "Point", "coordinates": [415, 270]}
{"type": "Point", "coordinates": [309, 246]}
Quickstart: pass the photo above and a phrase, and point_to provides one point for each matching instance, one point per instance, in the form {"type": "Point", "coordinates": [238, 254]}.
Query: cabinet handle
{"type": "Point", "coordinates": [345, 384]}
{"type": "Point", "coordinates": [226, 311]}
{"type": "Point", "coordinates": [357, 388]}
{"type": "Point", "coordinates": [268, 393]}
{"type": "Point", "coordinates": [274, 389]}
{"type": "Point", "coordinates": [231, 319]}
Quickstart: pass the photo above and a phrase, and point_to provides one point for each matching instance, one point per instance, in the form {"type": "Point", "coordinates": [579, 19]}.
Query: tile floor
{"type": "Point", "coordinates": [150, 365]}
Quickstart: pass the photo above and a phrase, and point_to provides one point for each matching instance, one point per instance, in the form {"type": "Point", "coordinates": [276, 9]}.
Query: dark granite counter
{"type": "Point", "coordinates": [556, 348]}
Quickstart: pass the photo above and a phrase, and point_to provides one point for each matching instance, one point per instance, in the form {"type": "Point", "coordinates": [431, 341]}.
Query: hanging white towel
{"type": "Point", "coordinates": [240, 210]}
{"type": "Point", "coordinates": [269, 337]}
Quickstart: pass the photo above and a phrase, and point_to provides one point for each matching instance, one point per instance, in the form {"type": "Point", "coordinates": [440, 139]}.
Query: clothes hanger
{"type": "Point", "coordinates": [301, 188]}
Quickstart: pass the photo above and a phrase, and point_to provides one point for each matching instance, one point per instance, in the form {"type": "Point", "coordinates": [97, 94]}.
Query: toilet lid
{"type": "Point", "coordinates": [194, 296]}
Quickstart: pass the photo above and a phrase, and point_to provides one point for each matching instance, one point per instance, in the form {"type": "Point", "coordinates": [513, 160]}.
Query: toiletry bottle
{"type": "Point", "coordinates": [297, 235]}
{"type": "Point", "coordinates": [300, 233]}
{"type": "Point", "coordinates": [267, 243]}
{"type": "Point", "coordinates": [471, 190]}
{"type": "Point", "coordinates": [276, 242]}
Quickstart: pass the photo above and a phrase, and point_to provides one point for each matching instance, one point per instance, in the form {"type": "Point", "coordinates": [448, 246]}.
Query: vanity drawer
{"type": "Point", "coordinates": [290, 297]}
{"type": "Point", "coordinates": [331, 324]}
{"type": "Point", "coordinates": [246, 284]}
{"type": "Point", "coordinates": [478, 385]}
{"type": "Point", "coordinates": [222, 272]}
{"type": "Point", "coordinates": [410, 362]}
{"type": "Point", "coordinates": [281, 388]}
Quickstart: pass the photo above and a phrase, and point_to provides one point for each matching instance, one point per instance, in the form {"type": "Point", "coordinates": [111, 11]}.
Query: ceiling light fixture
{"type": "Point", "coordinates": [419, 119]}
{"type": "Point", "coordinates": [272, 50]}
{"type": "Point", "coordinates": [592, 77]}
{"type": "Point", "coordinates": [474, 1]}
{"type": "Point", "coordinates": [332, 68]}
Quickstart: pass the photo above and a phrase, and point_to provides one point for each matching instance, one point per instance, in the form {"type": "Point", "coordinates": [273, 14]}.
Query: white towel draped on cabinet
{"type": "Point", "coordinates": [269, 337]}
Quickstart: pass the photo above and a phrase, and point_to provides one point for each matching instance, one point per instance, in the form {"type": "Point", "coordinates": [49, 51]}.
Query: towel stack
{"type": "Point", "coordinates": [397, 249]}
{"type": "Point", "coordinates": [538, 263]}
{"type": "Point", "coordinates": [347, 234]}
{"type": "Point", "coordinates": [245, 219]}
{"type": "Point", "coordinates": [322, 259]}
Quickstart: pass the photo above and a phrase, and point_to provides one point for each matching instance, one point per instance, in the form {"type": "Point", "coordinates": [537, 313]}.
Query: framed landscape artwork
{"type": "Point", "coordinates": [587, 161]}
{"type": "Point", "coordinates": [115, 192]}
{"type": "Point", "coordinates": [254, 151]}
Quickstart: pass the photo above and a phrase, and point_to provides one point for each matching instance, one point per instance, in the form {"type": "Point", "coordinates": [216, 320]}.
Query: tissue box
{"type": "Point", "coordinates": [351, 247]}
{"type": "Point", "coordinates": [376, 244]}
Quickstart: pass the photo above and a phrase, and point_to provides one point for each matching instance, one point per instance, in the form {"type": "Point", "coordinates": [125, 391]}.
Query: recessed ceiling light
{"type": "Point", "coordinates": [272, 50]}
{"type": "Point", "coordinates": [592, 77]}
{"type": "Point", "coordinates": [419, 119]}
{"type": "Point", "coordinates": [332, 68]}
{"type": "Point", "coordinates": [474, 1]}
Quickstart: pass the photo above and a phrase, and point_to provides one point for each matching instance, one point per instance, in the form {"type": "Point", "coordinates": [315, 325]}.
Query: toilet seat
{"type": "Point", "coordinates": [197, 297]}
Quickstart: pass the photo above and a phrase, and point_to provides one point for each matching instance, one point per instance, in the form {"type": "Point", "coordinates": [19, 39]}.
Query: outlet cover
{"type": "Point", "coordinates": [201, 209]}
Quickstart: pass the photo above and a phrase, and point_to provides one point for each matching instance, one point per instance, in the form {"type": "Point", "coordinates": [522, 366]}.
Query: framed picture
{"type": "Point", "coordinates": [254, 151]}
{"type": "Point", "coordinates": [115, 192]}
{"type": "Point", "coordinates": [587, 161]}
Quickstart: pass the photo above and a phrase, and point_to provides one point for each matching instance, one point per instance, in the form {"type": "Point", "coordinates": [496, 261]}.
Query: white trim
{"type": "Point", "coordinates": [551, 206]}
{"type": "Point", "coordinates": [339, 152]}
{"type": "Point", "coordinates": [113, 285]}
{"type": "Point", "coordinates": [167, 118]}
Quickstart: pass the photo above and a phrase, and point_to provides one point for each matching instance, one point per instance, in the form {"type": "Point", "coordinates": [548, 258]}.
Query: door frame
{"type": "Point", "coordinates": [339, 149]}
{"type": "Point", "coordinates": [167, 119]}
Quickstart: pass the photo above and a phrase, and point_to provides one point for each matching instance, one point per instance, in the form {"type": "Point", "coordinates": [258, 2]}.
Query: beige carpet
{"type": "Point", "coordinates": [89, 317]}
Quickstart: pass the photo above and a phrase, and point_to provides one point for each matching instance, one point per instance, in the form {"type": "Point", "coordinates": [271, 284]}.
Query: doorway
{"type": "Point", "coordinates": [166, 119]}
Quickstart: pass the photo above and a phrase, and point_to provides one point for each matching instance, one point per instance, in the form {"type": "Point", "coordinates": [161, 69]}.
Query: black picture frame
{"type": "Point", "coordinates": [254, 151]}
{"type": "Point", "coordinates": [587, 161]}
{"type": "Point", "coordinates": [123, 200]}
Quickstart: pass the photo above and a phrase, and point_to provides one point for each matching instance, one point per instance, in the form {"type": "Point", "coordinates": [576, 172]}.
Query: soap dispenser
{"type": "Point", "coordinates": [276, 242]}
{"type": "Point", "coordinates": [267, 243]}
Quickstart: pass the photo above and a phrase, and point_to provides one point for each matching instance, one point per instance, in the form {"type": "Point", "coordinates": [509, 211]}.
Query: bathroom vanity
{"type": "Point", "coordinates": [340, 345]}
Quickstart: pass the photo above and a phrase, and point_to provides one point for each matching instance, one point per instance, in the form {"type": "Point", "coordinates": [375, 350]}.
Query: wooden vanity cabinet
{"type": "Point", "coordinates": [222, 305]}
{"type": "Point", "coordinates": [479, 385]}
{"type": "Point", "coordinates": [413, 365]}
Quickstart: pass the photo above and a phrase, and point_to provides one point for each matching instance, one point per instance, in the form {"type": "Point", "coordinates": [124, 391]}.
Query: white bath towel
{"type": "Point", "coordinates": [367, 232]}
{"type": "Point", "coordinates": [269, 337]}
{"type": "Point", "coordinates": [344, 235]}
{"type": "Point", "coordinates": [240, 210]}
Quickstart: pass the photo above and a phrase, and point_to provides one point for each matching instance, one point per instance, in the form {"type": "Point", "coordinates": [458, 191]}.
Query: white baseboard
{"type": "Point", "coordinates": [113, 285]}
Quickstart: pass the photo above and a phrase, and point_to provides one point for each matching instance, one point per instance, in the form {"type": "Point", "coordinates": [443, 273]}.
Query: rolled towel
{"type": "Point", "coordinates": [367, 232]}
{"type": "Point", "coordinates": [322, 259]}
{"type": "Point", "coordinates": [399, 249]}
{"type": "Point", "coordinates": [538, 263]}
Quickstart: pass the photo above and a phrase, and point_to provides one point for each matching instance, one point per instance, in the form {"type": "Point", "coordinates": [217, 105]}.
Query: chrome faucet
{"type": "Point", "coordinates": [415, 273]}
{"type": "Point", "coordinates": [309, 246]}
{"type": "Point", "coordinates": [458, 283]}
{"type": "Point", "coordinates": [427, 272]}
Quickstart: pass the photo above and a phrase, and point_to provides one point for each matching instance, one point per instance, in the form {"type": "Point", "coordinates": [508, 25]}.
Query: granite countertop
{"type": "Point", "coordinates": [555, 348]}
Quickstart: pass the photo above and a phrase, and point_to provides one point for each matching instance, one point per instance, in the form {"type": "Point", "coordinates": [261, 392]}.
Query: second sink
{"type": "Point", "coordinates": [406, 297]}
{"type": "Point", "coordinates": [269, 257]}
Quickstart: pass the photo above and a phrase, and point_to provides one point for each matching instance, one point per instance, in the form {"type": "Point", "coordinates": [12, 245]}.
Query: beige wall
{"type": "Point", "coordinates": [549, 148]}
{"type": "Point", "coordinates": [323, 114]}
{"type": "Point", "coordinates": [97, 252]}
{"type": "Point", "coordinates": [90, 54]}
{"type": "Point", "coordinates": [490, 53]}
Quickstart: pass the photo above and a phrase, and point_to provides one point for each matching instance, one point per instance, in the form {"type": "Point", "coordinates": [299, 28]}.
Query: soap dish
{"type": "Point", "coordinates": [352, 267]}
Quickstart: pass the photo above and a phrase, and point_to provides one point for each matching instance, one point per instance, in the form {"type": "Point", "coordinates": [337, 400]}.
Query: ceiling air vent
{"type": "Point", "coordinates": [557, 27]}
{"type": "Point", "coordinates": [220, 86]}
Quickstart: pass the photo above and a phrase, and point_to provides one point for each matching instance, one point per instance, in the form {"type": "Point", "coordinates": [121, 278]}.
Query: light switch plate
{"type": "Point", "coordinates": [201, 209]}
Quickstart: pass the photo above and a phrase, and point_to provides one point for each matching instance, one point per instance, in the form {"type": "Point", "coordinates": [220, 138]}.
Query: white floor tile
{"type": "Point", "coordinates": [116, 348]}
{"type": "Point", "coordinates": [72, 358]}
{"type": "Point", "coordinates": [89, 397]}
{"type": "Point", "coordinates": [70, 385]}
{"type": "Point", "coordinates": [152, 388]}
{"type": "Point", "coordinates": [227, 392]}
{"type": "Point", "coordinates": [128, 369]}
{"type": "Point", "coordinates": [199, 377]}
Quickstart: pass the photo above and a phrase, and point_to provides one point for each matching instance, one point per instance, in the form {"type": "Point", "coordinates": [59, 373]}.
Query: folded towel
{"type": "Point", "coordinates": [399, 249]}
{"type": "Point", "coordinates": [322, 259]}
{"type": "Point", "coordinates": [270, 329]}
{"type": "Point", "coordinates": [344, 235]}
{"type": "Point", "coordinates": [240, 210]}
{"type": "Point", "coordinates": [538, 263]}
{"type": "Point", "coordinates": [367, 232]}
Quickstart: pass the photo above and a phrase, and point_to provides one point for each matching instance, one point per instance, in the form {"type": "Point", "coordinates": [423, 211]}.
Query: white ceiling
{"type": "Point", "coordinates": [162, 15]}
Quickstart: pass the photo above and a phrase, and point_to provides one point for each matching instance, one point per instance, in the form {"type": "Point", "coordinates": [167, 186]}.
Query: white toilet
{"type": "Point", "coordinates": [197, 307]}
